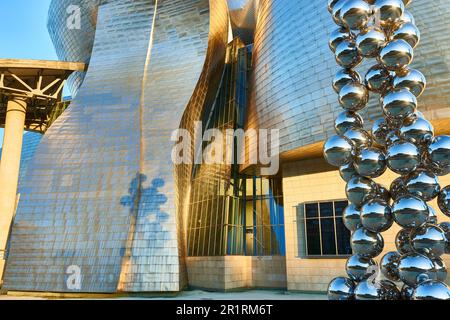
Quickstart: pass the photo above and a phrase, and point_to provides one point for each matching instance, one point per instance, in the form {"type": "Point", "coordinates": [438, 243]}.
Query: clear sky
{"type": "Point", "coordinates": [23, 31]}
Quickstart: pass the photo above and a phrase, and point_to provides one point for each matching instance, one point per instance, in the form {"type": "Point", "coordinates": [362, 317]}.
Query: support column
{"type": "Point", "coordinates": [9, 169]}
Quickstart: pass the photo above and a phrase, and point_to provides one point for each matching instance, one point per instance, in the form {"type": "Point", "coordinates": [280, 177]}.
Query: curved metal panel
{"type": "Point", "coordinates": [243, 18]}
{"type": "Point", "coordinates": [293, 69]}
{"type": "Point", "coordinates": [100, 193]}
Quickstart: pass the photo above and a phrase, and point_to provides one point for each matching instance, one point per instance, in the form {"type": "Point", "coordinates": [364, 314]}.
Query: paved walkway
{"type": "Point", "coordinates": [203, 295]}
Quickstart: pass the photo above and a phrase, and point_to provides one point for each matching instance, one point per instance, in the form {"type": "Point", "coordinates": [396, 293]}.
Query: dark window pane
{"type": "Point", "coordinates": [312, 210]}
{"type": "Point", "coordinates": [328, 239]}
{"type": "Point", "coordinates": [313, 237]}
{"type": "Point", "coordinates": [326, 210]}
{"type": "Point", "coordinates": [339, 207]}
{"type": "Point", "coordinates": [343, 237]}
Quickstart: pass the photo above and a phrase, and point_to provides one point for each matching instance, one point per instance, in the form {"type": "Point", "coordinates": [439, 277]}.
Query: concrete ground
{"type": "Point", "coordinates": [203, 295]}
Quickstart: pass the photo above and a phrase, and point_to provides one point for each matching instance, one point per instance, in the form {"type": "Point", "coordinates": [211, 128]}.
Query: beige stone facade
{"type": "Point", "coordinates": [314, 180]}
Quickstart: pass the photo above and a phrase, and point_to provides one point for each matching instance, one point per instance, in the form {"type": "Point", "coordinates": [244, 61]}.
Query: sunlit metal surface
{"type": "Point", "coordinates": [243, 15]}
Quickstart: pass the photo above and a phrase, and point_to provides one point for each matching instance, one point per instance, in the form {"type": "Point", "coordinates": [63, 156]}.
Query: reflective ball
{"type": "Point", "coordinates": [409, 33]}
{"type": "Point", "coordinates": [348, 120]}
{"type": "Point", "coordinates": [370, 41]}
{"type": "Point", "coordinates": [407, 292]}
{"type": "Point", "coordinates": [389, 11]}
{"type": "Point", "coordinates": [344, 77]}
{"type": "Point", "coordinates": [429, 240]}
{"type": "Point", "coordinates": [336, 11]}
{"type": "Point", "coordinates": [403, 157]}
{"type": "Point", "coordinates": [383, 290]}
{"type": "Point", "coordinates": [338, 151]}
{"type": "Point", "coordinates": [355, 14]}
{"type": "Point", "coordinates": [353, 97]}
{"type": "Point", "coordinates": [414, 268]}
{"type": "Point", "coordinates": [444, 201]}
{"type": "Point", "coordinates": [432, 290]}
{"type": "Point", "coordinates": [411, 79]}
{"type": "Point", "coordinates": [392, 137]}
{"type": "Point", "coordinates": [347, 172]}
{"type": "Point", "coordinates": [389, 290]}
{"type": "Point", "coordinates": [370, 162]}
{"type": "Point", "coordinates": [378, 79]}
{"type": "Point", "coordinates": [410, 211]}
{"type": "Point", "coordinates": [389, 265]}
{"type": "Point", "coordinates": [446, 227]}
{"type": "Point", "coordinates": [359, 137]}
{"type": "Point", "coordinates": [399, 104]}
{"type": "Point", "coordinates": [439, 151]}
{"type": "Point", "coordinates": [347, 55]}
{"type": "Point", "coordinates": [398, 188]}
{"type": "Point", "coordinates": [367, 243]}
{"type": "Point", "coordinates": [341, 289]}
{"type": "Point", "coordinates": [352, 217]}
{"type": "Point", "coordinates": [357, 267]}
{"type": "Point", "coordinates": [440, 268]}
{"type": "Point", "coordinates": [396, 55]}
{"type": "Point", "coordinates": [403, 242]}
{"type": "Point", "coordinates": [419, 131]}
{"type": "Point", "coordinates": [337, 37]}
{"type": "Point", "coordinates": [423, 184]}
{"type": "Point", "coordinates": [376, 216]}
{"type": "Point", "coordinates": [359, 189]}
{"type": "Point", "coordinates": [407, 17]}
{"type": "Point", "coordinates": [382, 194]}
{"type": "Point", "coordinates": [432, 218]}
{"type": "Point", "coordinates": [380, 131]}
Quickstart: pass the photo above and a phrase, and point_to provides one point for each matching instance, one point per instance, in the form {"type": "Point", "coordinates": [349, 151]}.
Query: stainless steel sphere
{"type": "Point", "coordinates": [370, 162]}
{"type": "Point", "coordinates": [409, 33]}
{"type": "Point", "coordinates": [376, 215]}
{"type": "Point", "coordinates": [398, 188]}
{"type": "Point", "coordinates": [355, 14]}
{"type": "Point", "coordinates": [352, 217]}
{"type": "Point", "coordinates": [389, 265]}
{"type": "Point", "coordinates": [419, 131]}
{"type": "Point", "coordinates": [359, 189]}
{"type": "Point", "coordinates": [432, 218]}
{"type": "Point", "coordinates": [407, 17]}
{"type": "Point", "coordinates": [407, 292]}
{"type": "Point", "coordinates": [423, 184]}
{"type": "Point", "coordinates": [403, 157]}
{"type": "Point", "coordinates": [347, 172]}
{"type": "Point", "coordinates": [347, 55]}
{"type": "Point", "coordinates": [378, 79]}
{"type": "Point", "coordinates": [414, 268]}
{"type": "Point", "coordinates": [439, 151]}
{"type": "Point", "coordinates": [396, 55]}
{"type": "Point", "coordinates": [403, 241]}
{"type": "Point", "coordinates": [344, 77]}
{"type": "Point", "coordinates": [429, 240]}
{"type": "Point", "coordinates": [380, 131]}
{"type": "Point", "coordinates": [432, 290]}
{"type": "Point", "coordinates": [338, 151]}
{"type": "Point", "coordinates": [383, 194]}
{"type": "Point", "coordinates": [341, 289]}
{"type": "Point", "coordinates": [446, 227]}
{"type": "Point", "coordinates": [367, 243]}
{"type": "Point", "coordinates": [337, 37]}
{"type": "Point", "coordinates": [411, 79]}
{"type": "Point", "coordinates": [359, 137]}
{"type": "Point", "coordinates": [389, 11]}
{"type": "Point", "coordinates": [370, 41]}
{"type": "Point", "coordinates": [384, 290]}
{"type": "Point", "coordinates": [410, 211]}
{"type": "Point", "coordinates": [392, 137]}
{"type": "Point", "coordinates": [348, 120]}
{"type": "Point", "coordinates": [336, 11]}
{"type": "Point", "coordinates": [444, 201]}
{"type": "Point", "coordinates": [399, 104]}
{"type": "Point", "coordinates": [357, 267]}
{"type": "Point", "coordinates": [353, 97]}
{"type": "Point", "coordinates": [441, 269]}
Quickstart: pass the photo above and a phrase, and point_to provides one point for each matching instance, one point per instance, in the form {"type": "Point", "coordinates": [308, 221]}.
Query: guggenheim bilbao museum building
{"type": "Point", "coordinates": [102, 196]}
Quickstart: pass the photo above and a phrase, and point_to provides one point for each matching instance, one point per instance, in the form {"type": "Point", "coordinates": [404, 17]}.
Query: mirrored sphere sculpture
{"type": "Point", "coordinates": [429, 240]}
{"type": "Point", "coordinates": [352, 217]}
{"type": "Point", "coordinates": [423, 184]}
{"type": "Point", "coordinates": [370, 162]}
{"type": "Point", "coordinates": [355, 14]}
{"type": "Point", "coordinates": [337, 37]}
{"type": "Point", "coordinates": [370, 41]}
{"type": "Point", "coordinates": [353, 97]}
{"type": "Point", "coordinates": [409, 33]}
{"type": "Point", "coordinates": [389, 11]}
{"type": "Point", "coordinates": [403, 242]}
{"type": "Point", "coordinates": [359, 137]}
{"type": "Point", "coordinates": [341, 289]}
{"type": "Point", "coordinates": [399, 104]}
{"type": "Point", "coordinates": [414, 268]}
{"type": "Point", "coordinates": [347, 172]}
{"type": "Point", "coordinates": [338, 151]}
{"type": "Point", "coordinates": [359, 189]}
{"type": "Point", "coordinates": [439, 151]}
{"type": "Point", "coordinates": [441, 269]}
{"type": "Point", "coordinates": [419, 131]}
{"type": "Point", "coordinates": [446, 227]}
{"type": "Point", "coordinates": [347, 54]}
{"type": "Point", "coordinates": [396, 55]}
{"type": "Point", "coordinates": [366, 243]}
{"type": "Point", "coordinates": [410, 211]}
{"type": "Point", "coordinates": [344, 77]}
{"type": "Point", "coordinates": [378, 79]}
{"type": "Point", "coordinates": [357, 267]}
{"type": "Point", "coordinates": [376, 215]}
{"type": "Point", "coordinates": [407, 292]}
{"type": "Point", "coordinates": [398, 188]}
{"type": "Point", "coordinates": [403, 157]}
{"type": "Point", "coordinates": [389, 265]}
{"type": "Point", "coordinates": [431, 290]}
{"type": "Point", "coordinates": [348, 120]}
{"type": "Point", "coordinates": [444, 201]}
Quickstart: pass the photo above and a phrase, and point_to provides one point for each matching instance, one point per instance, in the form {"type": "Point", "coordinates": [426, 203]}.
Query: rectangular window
{"type": "Point", "coordinates": [325, 232]}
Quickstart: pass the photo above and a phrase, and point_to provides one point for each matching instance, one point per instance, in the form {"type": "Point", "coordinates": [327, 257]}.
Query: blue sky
{"type": "Point", "coordinates": [23, 30]}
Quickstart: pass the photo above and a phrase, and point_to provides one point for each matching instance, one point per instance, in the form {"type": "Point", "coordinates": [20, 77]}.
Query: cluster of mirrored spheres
{"type": "Point", "coordinates": [403, 141]}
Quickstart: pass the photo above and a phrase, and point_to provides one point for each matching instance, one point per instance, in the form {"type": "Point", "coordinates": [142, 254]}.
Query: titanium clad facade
{"type": "Point", "coordinates": [101, 194]}
{"type": "Point", "coordinates": [293, 69]}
